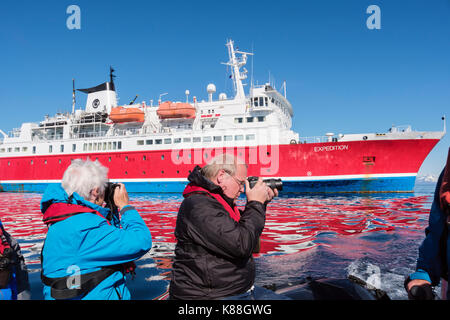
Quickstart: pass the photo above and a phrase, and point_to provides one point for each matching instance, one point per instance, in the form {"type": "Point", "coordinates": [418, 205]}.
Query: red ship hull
{"type": "Point", "coordinates": [353, 166]}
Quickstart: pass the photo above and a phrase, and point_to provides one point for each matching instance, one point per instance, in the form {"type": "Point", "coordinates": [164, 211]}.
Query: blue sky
{"type": "Point", "coordinates": [341, 77]}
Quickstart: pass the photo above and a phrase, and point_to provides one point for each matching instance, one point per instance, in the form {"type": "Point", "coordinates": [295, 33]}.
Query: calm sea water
{"type": "Point", "coordinates": [375, 237]}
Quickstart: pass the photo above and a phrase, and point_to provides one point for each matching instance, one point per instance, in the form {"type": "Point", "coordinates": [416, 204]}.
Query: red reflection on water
{"type": "Point", "coordinates": [292, 224]}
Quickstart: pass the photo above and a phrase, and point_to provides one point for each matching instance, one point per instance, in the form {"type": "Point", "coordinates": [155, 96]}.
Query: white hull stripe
{"type": "Point", "coordinates": [312, 178]}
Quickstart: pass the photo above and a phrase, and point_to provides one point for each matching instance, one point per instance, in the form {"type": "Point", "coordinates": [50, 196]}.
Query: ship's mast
{"type": "Point", "coordinates": [235, 65]}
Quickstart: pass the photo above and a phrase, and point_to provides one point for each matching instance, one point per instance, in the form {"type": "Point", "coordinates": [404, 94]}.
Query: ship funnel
{"type": "Point", "coordinates": [101, 98]}
{"type": "Point", "coordinates": [211, 88]}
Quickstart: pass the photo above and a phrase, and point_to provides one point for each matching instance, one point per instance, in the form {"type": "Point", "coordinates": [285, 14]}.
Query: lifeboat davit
{"type": "Point", "coordinates": [174, 110]}
{"type": "Point", "coordinates": [122, 114]}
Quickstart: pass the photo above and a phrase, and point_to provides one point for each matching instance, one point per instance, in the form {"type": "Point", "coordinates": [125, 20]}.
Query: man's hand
{"type": "Point", "coordinates": [417, 282]}
{"type": "Point", "coordinates": [420, 290]}
{"type": "Point", "coordinates": [121, 196]}
{"type": "Point", "coordinates": [260, 192]}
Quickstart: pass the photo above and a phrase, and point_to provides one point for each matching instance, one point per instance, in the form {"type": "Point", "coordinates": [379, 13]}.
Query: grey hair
{"type": "Point", "coordinates": [224, 161]}
{"type": "Point", "coordinates": [82, 176]}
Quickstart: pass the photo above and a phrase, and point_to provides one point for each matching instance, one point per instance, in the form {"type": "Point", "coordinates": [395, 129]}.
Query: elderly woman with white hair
{"type": "Point", "coordinates": [88, 251]}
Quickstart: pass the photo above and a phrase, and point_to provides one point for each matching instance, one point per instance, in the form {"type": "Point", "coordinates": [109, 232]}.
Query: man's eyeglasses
{"type": "Point", "coordinates": [241, 183]}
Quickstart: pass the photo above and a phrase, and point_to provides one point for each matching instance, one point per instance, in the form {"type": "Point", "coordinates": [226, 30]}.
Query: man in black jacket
{"type": "Point", "coordinates": [213, 255]}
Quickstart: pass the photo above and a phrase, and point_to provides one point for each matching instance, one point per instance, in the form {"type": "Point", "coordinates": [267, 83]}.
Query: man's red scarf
{"type": "Point", "coordinates": [234, 212]}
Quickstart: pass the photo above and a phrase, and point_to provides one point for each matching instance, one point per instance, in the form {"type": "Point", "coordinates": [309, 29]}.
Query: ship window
{"type": "Point", "coordinates": [227, 138]}
{"type": "Point", "coordinates": [34, 149]}
{"type": "Point", "coordinates": [50, 149]}
{"type": "Point", "coordinates": [266, 101]}
{"type": "Point", "coordinates": [59, 161]}
{"type": "Point", "coordinates": [148, 141]}
{"type": "Point", "coordinates": [261, 119]}
{"type": "Point", "coordinates": [24, 149]}
{"type": "Point", "coordinates": [95, 146]}
{"type": "Point", "coordinates": [250, 137]}
{"type": "Point", "coordinates": [114, 145]}
{"type": "Point", "coordinates": [61, 148]}
{"type": "Point", "coordinates": [17, 149]}
{"type": "Point", "coordinates": [109, 159]}
{"type": "Point", "coordinates": [140, 142]}
{"type": "Point", "coordinates": [255, 101]}
{"type": "Point", "coordinates": [186, 139]}
{"type": "Point", "coordinates": [237, 120]}
{"type": "Point", "coordinates": [177, 140]}
{"type": "Point", "coordinates": [144, 158]}
{"type": "Point", "coordinates": [206, 139]}
{"type": "Point", "coordinates": [158, 141]}
{"type": "Point", "coordinates": [217, 138]}
{"type": "Point", "coordinates": [9, 149]}
{"type": "Point", "coordinates": [104, 145]}
{"type": "Point", "coordinates": [167, 141]}
{"type": "Point", "coordinates": [239, 137]}
{"type": "Point", "coordinates": [2, 150]}
{"type": "Point", "coordinates": [261, 101]}
{"type": "Point", "coordinates": [126, 158]}
{"type": "Point", "coordinates": [119, 145]}
{"type": "Point", "coordinates": [162, 157]}
{"type": "Point", "coordinates": [74, 147]}
{"type": "Point", "coordinates": [109, 145]}
{"type": "Point", "coordinates": [90, 147]}
{"type": "Point", "coordinates": [32, 162]}
{"type": "Point", "coordinates": [249, 119]}
{"type": "Point", "coordinates": [197, 139]}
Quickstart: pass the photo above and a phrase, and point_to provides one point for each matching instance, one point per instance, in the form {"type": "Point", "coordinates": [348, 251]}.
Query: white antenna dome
{"type": "Point", "coordinates": [211, 88]}
{"type": "Point", "coordinates": [187, 92]}
{"type": "Point", "coordinates": [223, 96]}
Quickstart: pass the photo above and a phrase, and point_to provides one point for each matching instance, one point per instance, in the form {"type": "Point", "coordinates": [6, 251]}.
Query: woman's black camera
{"type": "Point", "coordinates": [109, 197]}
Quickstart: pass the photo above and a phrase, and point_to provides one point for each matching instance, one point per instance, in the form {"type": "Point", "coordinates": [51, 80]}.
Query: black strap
{"type": "Point", "coordinates": [88, 281]}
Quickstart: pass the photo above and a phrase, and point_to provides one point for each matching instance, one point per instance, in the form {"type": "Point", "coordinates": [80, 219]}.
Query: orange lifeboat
{"type": "Point", "coordinates": [171, 110]}
{"type": "Point", "coordinates": [122, 114]}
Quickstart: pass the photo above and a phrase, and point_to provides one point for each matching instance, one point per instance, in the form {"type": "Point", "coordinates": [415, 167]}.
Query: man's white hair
{"type": "Point", "coordinates": [224, 161]}
{"type": "Point", "coordinates": [82, 176]}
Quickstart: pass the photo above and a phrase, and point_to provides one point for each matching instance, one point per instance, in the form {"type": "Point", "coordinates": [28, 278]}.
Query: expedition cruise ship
{"type": "Point", "coordinates": [152, 148]}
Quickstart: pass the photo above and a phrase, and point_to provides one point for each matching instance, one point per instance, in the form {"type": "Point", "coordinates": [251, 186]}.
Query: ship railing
{"type": "Point", "coordinates": [400, 129]}
{"type": "Point", "coordinates": [91, 134]}
{"type": "Point", "coordinates": [313, 139]}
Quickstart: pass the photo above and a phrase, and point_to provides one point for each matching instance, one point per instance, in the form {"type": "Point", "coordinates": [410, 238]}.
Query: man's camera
{"type": "Point", "coordinates": [109, 197]}
{"type": "Point", "coordinates": [271, 183]}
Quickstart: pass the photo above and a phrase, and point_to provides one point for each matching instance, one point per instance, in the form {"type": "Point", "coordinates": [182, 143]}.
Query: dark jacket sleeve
{"type": "Point", "coordinates": [208, 224]}
{"type": "Point", "coordinates": [432, 252]}
{"type": "Point", "coordinates": [19, 264]}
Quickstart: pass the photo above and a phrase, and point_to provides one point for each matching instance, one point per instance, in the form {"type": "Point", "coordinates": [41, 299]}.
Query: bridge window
{"type": "Point", "coordinates": [250, 137]}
